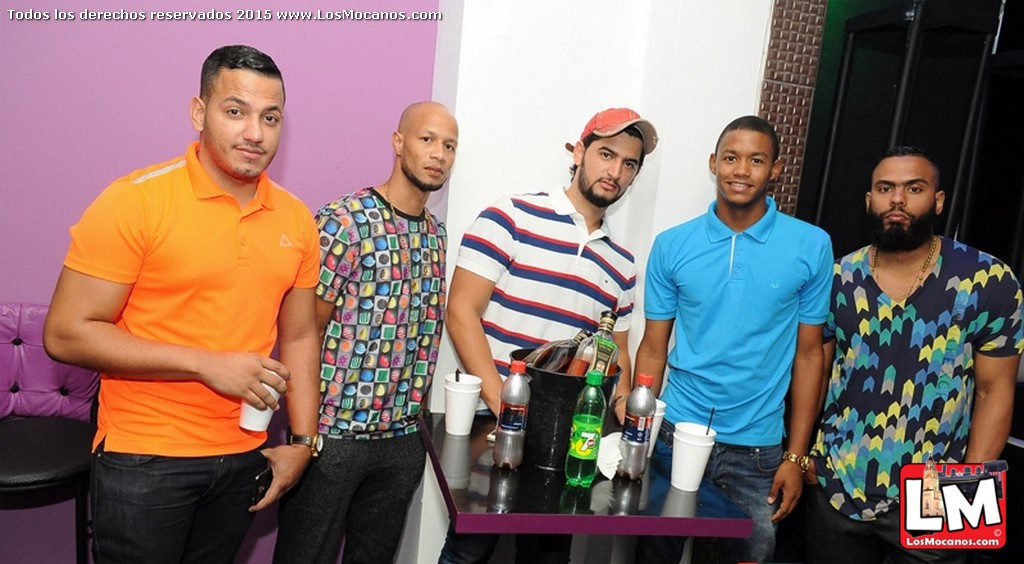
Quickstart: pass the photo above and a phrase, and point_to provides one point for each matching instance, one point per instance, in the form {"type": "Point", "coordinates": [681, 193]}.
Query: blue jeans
{"type": "Point", "coordinates": [158, 509]}
{"type": "Point", "coordinates": [743, 473]}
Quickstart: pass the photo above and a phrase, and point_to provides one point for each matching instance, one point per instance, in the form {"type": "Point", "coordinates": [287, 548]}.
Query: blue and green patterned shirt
{"type": "Point", "coordinates": [902, 384]}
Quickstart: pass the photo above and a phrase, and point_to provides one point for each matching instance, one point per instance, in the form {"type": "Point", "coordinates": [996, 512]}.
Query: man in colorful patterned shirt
{"type": "Point", "coordinates": [926, 336]}
{"type": "Point", "coordinates": [382, 294]}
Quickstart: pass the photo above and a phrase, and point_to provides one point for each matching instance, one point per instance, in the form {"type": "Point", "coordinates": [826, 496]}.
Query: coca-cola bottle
{"type": "Point", "coordinates": [510, 434]}
{"type": "Point", "coordinates": [555, 356]}
{"type": "Point", "coordinates": [598, 351]}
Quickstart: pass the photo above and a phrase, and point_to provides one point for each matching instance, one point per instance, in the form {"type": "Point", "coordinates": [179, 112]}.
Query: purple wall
{"type": "Point", "coordinates": [88, 101]}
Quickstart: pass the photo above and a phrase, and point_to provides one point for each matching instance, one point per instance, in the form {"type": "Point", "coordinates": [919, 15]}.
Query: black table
{"type": "Point", "coordinates": [484, 499]}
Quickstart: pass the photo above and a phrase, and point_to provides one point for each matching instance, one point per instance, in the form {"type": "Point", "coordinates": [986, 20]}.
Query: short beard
{"type": "Point", "coordinates": [423, 186]}
{"type": "Point", "coordinates": [587, 189]}
{"type": "Point", "coordinates": [896, 238]}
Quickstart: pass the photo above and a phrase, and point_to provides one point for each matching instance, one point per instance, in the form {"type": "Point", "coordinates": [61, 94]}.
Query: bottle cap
{"type": "Point", "coordinates": [594, 378]}
{"type": "Point", "coordinates": [644, 379]}
{"type": "Point", "coordinates": [518, 367]}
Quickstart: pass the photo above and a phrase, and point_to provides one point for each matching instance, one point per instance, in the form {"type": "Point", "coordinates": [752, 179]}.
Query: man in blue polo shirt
{"type": "Point", "coordinates": [746, 290]}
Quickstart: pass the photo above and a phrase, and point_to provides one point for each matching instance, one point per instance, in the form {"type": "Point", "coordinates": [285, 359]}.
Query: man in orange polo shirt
{"type": "Point", "coordinates": [179, 281]}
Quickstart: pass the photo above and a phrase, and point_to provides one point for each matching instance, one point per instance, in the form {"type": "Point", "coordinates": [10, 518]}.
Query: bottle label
{"type": "Point", "coordinates": [637, 428]}
{"type": "Point", "coordinates": [586, 437]}
{"type": "Point", "coordinates": [605, 355]}
{"type": "Point", "coordinates": [513, 416]}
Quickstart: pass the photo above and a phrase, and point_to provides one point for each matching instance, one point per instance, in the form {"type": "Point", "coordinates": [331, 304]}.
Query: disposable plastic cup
{"type": "Point", "coordinates": [659, 416]}
{"type": "Point", "coordinates": [460, 405]}
{"type": "Point", "coordinates": [692, 444]}
{"type": "Point", "coordinates": [253, 419]}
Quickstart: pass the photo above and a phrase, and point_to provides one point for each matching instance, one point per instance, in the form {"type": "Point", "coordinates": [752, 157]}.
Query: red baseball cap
{"type": "Point", "coordinates": [613, 121]}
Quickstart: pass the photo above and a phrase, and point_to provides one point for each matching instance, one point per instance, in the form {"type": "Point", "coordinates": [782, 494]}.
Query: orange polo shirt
{"type": "Point", "coordinates": [205, 273]}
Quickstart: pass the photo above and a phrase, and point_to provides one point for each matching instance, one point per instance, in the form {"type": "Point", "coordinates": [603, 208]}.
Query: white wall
{"type": "Point", "coordinates": [523, 78]}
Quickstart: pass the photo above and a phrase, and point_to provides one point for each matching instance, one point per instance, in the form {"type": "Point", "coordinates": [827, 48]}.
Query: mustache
{"type": "Point", "coordinates": [253, 148]}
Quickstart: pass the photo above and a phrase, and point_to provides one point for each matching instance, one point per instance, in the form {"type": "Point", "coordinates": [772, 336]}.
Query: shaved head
{"type": "Point", "coordinates": [418, 111]}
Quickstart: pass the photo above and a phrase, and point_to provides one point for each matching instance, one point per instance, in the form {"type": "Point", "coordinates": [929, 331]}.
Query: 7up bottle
{"type": "Point", "coordinates": [581, 462]}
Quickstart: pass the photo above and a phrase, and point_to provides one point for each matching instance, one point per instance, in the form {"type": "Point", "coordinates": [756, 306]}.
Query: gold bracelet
{"type": "Point", "coordinates": [803, 461]}
{"type": "Point", "coordinates": [616, 399]}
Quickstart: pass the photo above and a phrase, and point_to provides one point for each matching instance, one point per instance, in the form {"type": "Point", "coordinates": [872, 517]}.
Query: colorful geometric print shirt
{"type": "Point", "coordinates": [902, 384]}
{"type": "Point", "coordinates": [384, 272]}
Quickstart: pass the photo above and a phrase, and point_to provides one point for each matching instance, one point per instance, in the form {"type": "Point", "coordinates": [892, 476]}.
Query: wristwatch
{"type": "Point", "coordinates": [315, 442]}
{"type": "Point", "coordinates": [803, 461]}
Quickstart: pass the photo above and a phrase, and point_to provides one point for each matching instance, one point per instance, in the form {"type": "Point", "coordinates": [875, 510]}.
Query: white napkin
{"type": "Point", "coordinates": [608, 455]}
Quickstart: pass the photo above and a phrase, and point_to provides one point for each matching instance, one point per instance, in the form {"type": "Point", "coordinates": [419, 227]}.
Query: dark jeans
{"type": "Point", "coordinates": [834, 538]}
{"type": "Point", "coordinates": [158, 509]}
{"type": "Point", "coordinates": [356, 491]}
{"type": "Point", "coordinates": [745, 474]}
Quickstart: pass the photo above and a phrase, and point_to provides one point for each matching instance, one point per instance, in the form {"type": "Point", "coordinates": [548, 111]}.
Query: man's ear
{"type": "Point", "coordinates": [776, 170]}
{"type": "Point", "coordinates": [197, 112]}
{"type": "Point", "coordinates": [940, 201]}
{"type": "Point", "coordinates": [397, 142]}
{"type": "Point", "coordinates": [577, 153]}
{"type": "Point", "coordinates": [712, 164]}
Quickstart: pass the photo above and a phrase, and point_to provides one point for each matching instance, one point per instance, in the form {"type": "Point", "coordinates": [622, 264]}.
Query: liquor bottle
{"type": "Point", "coordinates": [587, 419]}
{"type": "Point", "coordinates": [636, 431]}
{"type": "Point", "coordinates": [511, 431]}
{"type": "Point", "coordinates": [597, 352]}
{"type": "Point", "coordinates": [555, 356]}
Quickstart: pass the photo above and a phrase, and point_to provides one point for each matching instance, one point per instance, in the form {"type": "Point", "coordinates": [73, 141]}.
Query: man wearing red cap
{"type": "Point", "coordinates": [539, 267]}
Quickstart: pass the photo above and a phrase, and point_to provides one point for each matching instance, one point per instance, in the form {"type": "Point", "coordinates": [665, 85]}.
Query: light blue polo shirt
{"type": "Point", "coordinates": [736, 299]}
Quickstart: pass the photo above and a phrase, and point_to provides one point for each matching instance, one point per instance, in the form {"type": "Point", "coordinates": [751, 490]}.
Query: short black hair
{"type": "Point", "coordinates": [912, 151]}
{"type": "Point", "coordinates": [632, 131]}
{"type": "Point", "coordinates": [236, 57]}
{"type": "Point", "coordinates": [752, 123]}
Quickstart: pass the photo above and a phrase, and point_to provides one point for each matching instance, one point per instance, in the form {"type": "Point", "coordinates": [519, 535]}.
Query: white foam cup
{"type": "Point", "coordinates": [691, 448]}
{"type": "Point", "coordinates": [253, 419]}
{"type": "Point", "coordinates": [460, 400]}
{"type": "Point", "coordinates": [466, 382]}
{"type": "Point", "coordinates": [659, 416]}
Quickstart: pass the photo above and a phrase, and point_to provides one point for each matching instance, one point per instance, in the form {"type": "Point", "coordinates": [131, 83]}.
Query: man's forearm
{"type": "Point", "coordinates": [302, 359]}
{"type": "Point", "coordinates": [804, 391]}
{"type": "Point", "coordinates": [474, 353]}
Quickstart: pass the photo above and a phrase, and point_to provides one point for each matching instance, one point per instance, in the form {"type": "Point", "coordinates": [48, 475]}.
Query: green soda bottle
{"type": "Point", "coordinates": [587, 419]}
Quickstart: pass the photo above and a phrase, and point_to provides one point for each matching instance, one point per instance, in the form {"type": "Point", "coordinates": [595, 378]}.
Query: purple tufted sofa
{"type": "Point", "coordinates": [45, 415]}
{"type": "Point", "coordinates": [31, 384]}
